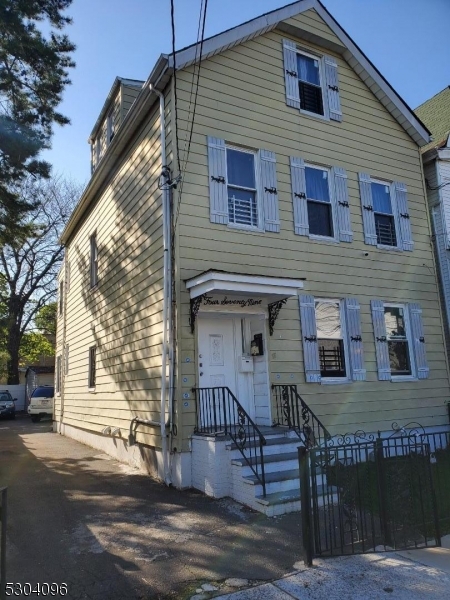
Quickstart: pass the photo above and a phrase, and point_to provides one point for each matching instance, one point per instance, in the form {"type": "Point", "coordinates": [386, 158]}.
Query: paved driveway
{"type": "Point", "coordinates": [108, 531]}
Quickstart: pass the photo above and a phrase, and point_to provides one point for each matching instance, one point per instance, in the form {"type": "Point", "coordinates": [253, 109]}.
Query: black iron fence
{"type": "Point", "coordinates": [292, 411]}
{"type": "Point", "coordinates": [3, 517]}
{"type": "Point", "coordinates": [364, 493]}
{"type": "Point", "coordinates": [220, 413]}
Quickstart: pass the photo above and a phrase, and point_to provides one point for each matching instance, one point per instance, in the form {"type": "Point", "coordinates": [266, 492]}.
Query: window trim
{"type": "Point", "coordinates": [314, 236]}
{"type": "Point", "coordinates": [93, 262]}
{"type": "Point", "coordinates": [412, 358]}
{"type": "Point", "coordinates": [347, 378]}
{"type": "Point", "coordinates": [320, 58]}
{"type": "Point", "coordinates": [259, 205]}
{"type": "Point", "coordinates": [92, 367]}
{"type": "Point", "coordinates": [390, 185]}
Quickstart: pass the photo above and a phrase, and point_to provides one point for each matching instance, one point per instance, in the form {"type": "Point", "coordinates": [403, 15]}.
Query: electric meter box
{"type": "Point", "coordinates": [245, 364]}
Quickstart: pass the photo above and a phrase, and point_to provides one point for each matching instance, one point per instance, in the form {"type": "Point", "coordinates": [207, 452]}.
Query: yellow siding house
{"type": "Point", "coordinates": [254, 278]}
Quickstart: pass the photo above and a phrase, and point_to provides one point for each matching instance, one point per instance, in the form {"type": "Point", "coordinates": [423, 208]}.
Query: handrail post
{"type": "Point", "coordinates": [305, 501]}
{"type": "Point", "coordinates": [3, 518]}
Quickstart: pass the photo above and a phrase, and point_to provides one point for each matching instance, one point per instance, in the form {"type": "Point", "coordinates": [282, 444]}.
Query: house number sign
{"type": "Point", "coordinates": [242, 302]}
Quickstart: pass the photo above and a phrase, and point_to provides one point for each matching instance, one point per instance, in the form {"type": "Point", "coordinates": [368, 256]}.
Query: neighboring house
{"type": "Point", "coordinates": [294, 252]}
{"type": "Point", "coordinates": [435, 113]}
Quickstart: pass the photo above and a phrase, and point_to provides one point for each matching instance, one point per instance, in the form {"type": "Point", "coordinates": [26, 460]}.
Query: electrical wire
{"type": "Point", "coordinates": [198, 79]}
{"type": "Point", "coordinates": [203, 19]}
{"type": "Point", "coordinates": [438, 187]}
{"type": "Point", "coordinates": [172, 19]}
{"type": "Point", "coordinates": [197, 46]}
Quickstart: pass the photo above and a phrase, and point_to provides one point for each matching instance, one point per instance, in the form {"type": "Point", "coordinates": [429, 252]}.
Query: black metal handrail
{"type": "Point", "coordinates": [292, 411]}
{"type": "Point", "coordinates": [220, 413]}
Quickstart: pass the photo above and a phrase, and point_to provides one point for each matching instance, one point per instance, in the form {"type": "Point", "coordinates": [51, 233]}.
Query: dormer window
{"type": "Point", "coordinates": [110, 126]}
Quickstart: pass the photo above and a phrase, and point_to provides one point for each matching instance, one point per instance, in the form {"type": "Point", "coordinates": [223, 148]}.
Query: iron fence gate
{"type": "Point", "coordinates": [367, 494]}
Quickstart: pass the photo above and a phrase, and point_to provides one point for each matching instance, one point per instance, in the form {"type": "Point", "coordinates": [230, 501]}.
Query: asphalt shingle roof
{"type": "Point", "coordinates": [435, 114]}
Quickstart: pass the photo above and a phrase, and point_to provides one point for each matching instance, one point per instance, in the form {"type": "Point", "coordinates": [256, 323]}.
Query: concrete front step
{"type": "Point", "coordinates": [275, 445]}
{"type": "Point", "coordinates": [280, 503]}
{"type": "Point", "coordinates": [279, 481]}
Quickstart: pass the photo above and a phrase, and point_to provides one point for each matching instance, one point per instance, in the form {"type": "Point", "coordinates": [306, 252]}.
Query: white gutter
{"type": "Point", "coordinates": [167, 299]}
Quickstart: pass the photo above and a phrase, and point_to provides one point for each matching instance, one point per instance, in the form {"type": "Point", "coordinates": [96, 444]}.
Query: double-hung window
{"type": "Point", "coordinates": [386, 218]}
{"type": "Point", "coordinates": [399, 341]}
{"type": "Point", "coordinates": [383, 213]}
{"type": "Point", "coordinates": [309, 84]}
{"type": "Point", "coordinates": [110, 126]}
{"type": "Point", "coordinates": [92, 367]}
{"type": "Point", "coordinates": [241, 187]}
{"type": "Point", "coordinates": [330, 339]}
{"type": "Point", "coordinates": [321, 201]}
{"type": "Point", "coordinates": [93, 261]}
{"type": "Point", "coordinates": [61, 297]}
{"type": "Point", "coordinates": [320, 214]}
{"type": "Point", "coordinates": [58, 374]}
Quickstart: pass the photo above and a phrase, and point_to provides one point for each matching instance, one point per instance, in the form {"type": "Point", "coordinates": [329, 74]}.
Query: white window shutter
{"type": "Point", "coordinates": [401, 201]}
{"type": "Point", "coordinates": [309, 339]}
{"type": "Point", "coordinates": [332, 88]}
{"type": "Point", "coordinates": [290, 74]}
{"type": "Point", "coordinates": [415, 316]}
{"type": "Point", "coordinates": [342, 206]}
{"type": "Point", "coordinates": [354, 335]}
{"type": "Point", "coordinates": [381, 343]}
{"type": "Point", "coordinates": [298, 183]}
{"type": "Point", "coordinates": [218, 196]}
{"type": "Point", "coordinates": [268, 167]}
{"type": "Point", "coordinates": [365, 189]}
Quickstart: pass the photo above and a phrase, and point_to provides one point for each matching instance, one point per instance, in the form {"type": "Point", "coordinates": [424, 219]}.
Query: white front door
{"type": "Point", "coordinates": [220, 347]}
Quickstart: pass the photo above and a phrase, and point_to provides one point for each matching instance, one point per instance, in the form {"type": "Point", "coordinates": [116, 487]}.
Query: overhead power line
{"type": "Point", "coordinates": [172, 19]}
{"type": "Point", "coordinates": [198, 64]}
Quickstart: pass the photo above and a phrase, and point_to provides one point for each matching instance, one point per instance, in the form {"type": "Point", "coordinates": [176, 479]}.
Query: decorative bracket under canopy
{"type": "Point", "coordinates": [274, 310]}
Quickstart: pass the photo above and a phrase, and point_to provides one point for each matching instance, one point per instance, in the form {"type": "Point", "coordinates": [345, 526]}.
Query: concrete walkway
{"type": "Point", "coordinates": [412, 575]}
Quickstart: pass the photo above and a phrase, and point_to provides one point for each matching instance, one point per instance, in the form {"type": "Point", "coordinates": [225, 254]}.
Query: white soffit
{"type": "Point", "coordinates": [233, 283]}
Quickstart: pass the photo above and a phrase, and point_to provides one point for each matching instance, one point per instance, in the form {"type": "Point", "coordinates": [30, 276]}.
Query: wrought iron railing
{"type": "Point", "coordinates": [3, 517]}
{"type": "Point", "coordinates": [292, 411]}
{"type": "Point", "coordinates": [220, 413]}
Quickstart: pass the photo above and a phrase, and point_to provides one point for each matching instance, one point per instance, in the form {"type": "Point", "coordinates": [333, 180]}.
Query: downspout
{"type": "Point", "coordinates": [167, 288]}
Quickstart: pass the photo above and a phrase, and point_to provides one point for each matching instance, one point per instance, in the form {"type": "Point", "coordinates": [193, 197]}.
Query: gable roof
{"type": "Point", "coordinates": [435, 113]}
{"type": "Point", "coordinates": [163, 70]}
{"type": "Point", "coordinates": [349, 50]}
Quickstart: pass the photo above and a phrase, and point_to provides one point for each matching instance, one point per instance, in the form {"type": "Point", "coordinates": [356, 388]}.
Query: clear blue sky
{"type": "Point", "coordinates": [407, 40]}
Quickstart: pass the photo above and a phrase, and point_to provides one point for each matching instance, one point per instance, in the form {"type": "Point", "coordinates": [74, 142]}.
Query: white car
{"type": "Point", "coordinates": [41, 402]}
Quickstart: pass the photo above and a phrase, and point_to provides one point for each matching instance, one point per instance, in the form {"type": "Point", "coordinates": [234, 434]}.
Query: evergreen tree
{"type": "Point", "coordinates": [33, 75]}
